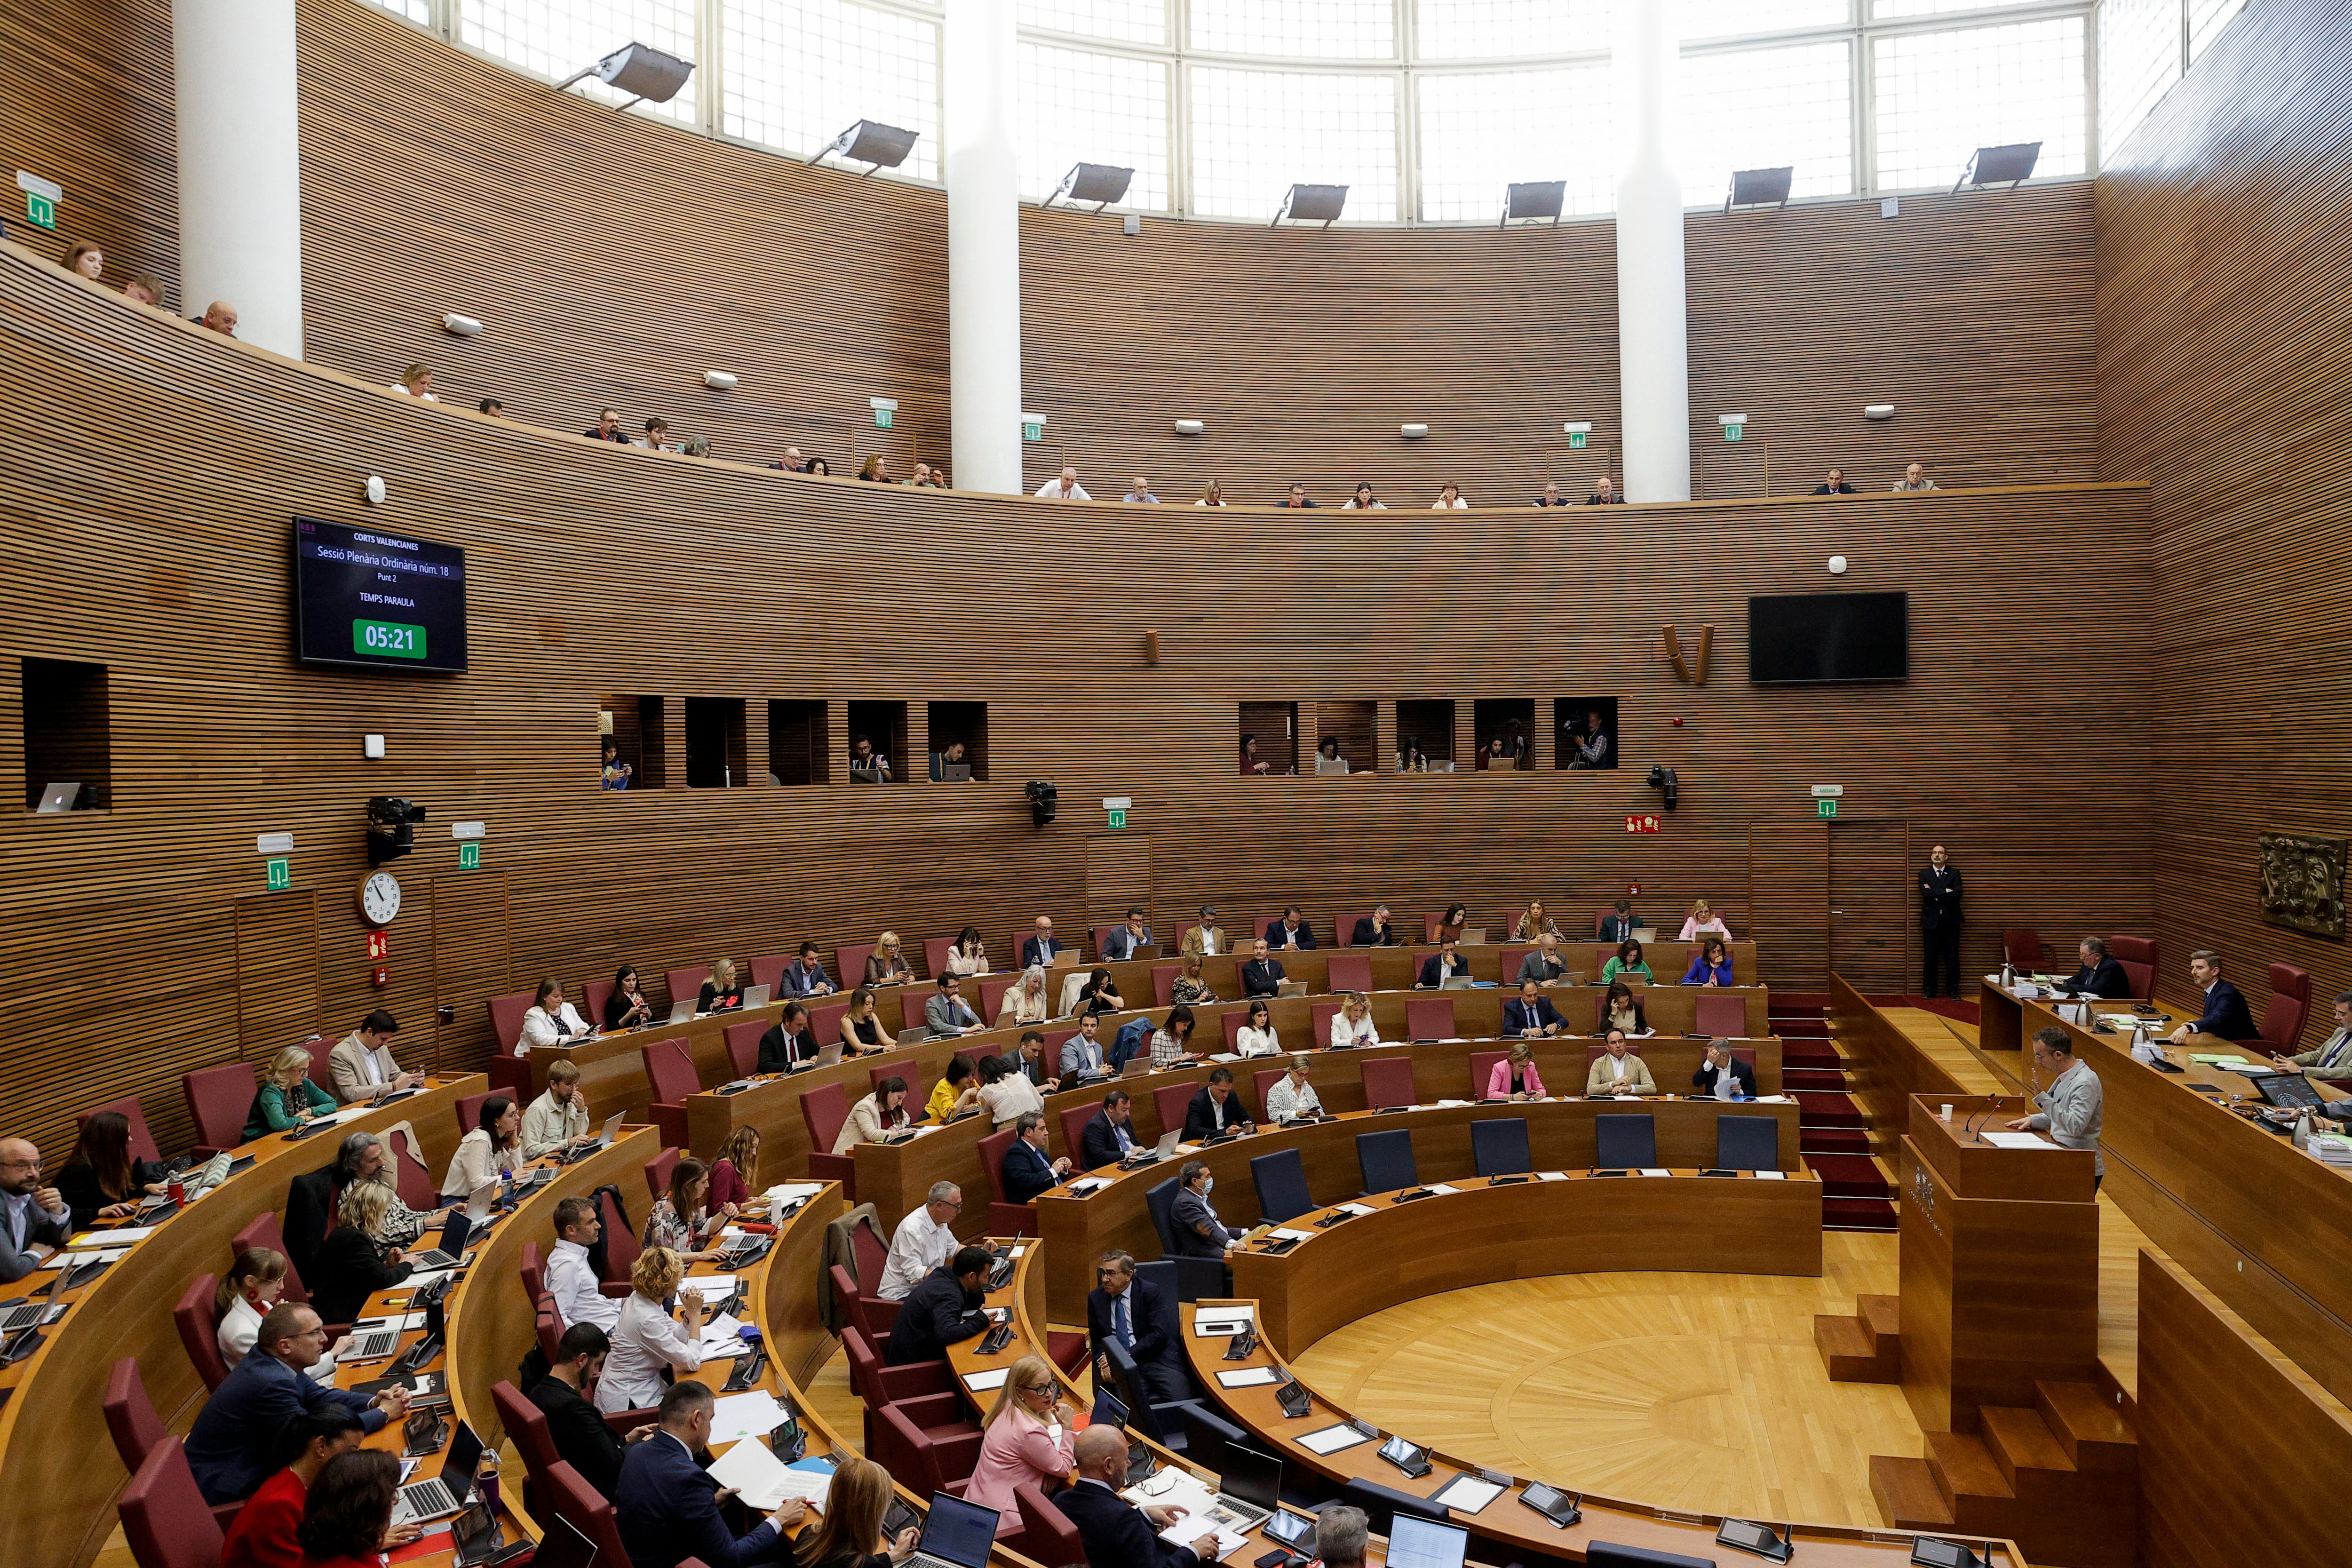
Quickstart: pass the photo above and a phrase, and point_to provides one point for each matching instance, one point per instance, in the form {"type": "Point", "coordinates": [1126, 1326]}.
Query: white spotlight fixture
{"type": "Point", "coordinates": [718, 381]}
{"type": "Point", "coordinates": [1837, 565]}
{"type": "Point", "coordinates": [458, 326]}
{"type": "Point", "coordinates": [872, 143]}
{"type": "Point", "coordinates": [1101, 184]}
{"type": "Point", "coordinates": [1189, 426]}
{"type": "Point", "coordinates": [646, 74]}
{"type": "Point", "coordinates": [1312, 203]}
{"type": "Point", "coordinates": [1412, 432]}
{"type": "Point", "coordinates": [1879, 411]}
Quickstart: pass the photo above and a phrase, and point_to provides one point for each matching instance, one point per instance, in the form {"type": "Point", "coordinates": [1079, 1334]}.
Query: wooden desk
{"type": "Point", "coordinates": [1505, 1527]}
{"type": "Point", "coordinates": [58, 1472]}
{"type": "Point", "coordinates": [1561, 1137]}
{"type": "Point", "coordinates": [1483, 1232]}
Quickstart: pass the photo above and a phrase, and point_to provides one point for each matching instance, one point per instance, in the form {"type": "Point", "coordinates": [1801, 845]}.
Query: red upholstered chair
{"type": "Point", "coordinates": [849, 963]}
{"type": "Point", "coordinates": [993, 988]}
{"type": "Point", "coordinates": [533, 1269]}
{"type": "Point", "coordinates": [874, 1316]}
{"type": "Point", "coordinates": [548, 1320]}
{"type": "Point", "coordinates": [1598, 916]}
{"type": "Point", "coordinates": [1233, 1020]}
{"type": "Point", "coordinates": [743, 1046]}
{"type": "Point", "coordinates": [878, 1384]}
{"type": "Point", "coordinates": [411, 1178]}
{"type": "Point", "coordinates": [142, 1142]}
{"type": "Point", "coordinates": [1319, 1023]}
{"type": "Point", "coordinates": [1388, 1080]}
{"type": "Point", "coordinates": [1343, 930]}
{"type": "Point", "coordinates": [1170, 1099]}
{"type": "Point", "coordinates": [192, 1315]}
{"type": "Point", "coordinates": [1066, 1350]}
{"type": "Point", "coordinates": [1003, 1218]}
{"type": "Point", "coordinates": [321, 1072]}
{"type": "Point", "coordinates": [578, 1505]}
{"type": "Point", "coordinates": [2290, 1003]}
{"type": "Point", "coordinates": [1428, 925]}
{"type": "Point", "coordinates": [506, 1018]}
{"type": "Point", "coordinates": [686, 984]}
{"type": "Point", "coordinates": [131, 1418]}
{"type": "Point", "coordinates": [219, 1098]}
{"type": "Point", "coordinates": [1349, 971]}
{"type": "Point", "coordinates": [911, 1001]}
{"type": "Point", "coordinates": [1714, 1012]}
{"type": "Point", "coordinates": [671, 1078]}
{"type": "Point", "coordinates": [824, 1108]}
{"type": "Point", "coordinates": [1054, 1038]}
{"type": "Point", "coordinates": [908, 1070]}
{"type": "Point", "coordinates": [2137, 954]}
{"type": "Point", "coordinates": [621, 1246]}
{"type": "Point", "coordinates": [872, 1253]}
{"type": "Point", "coordinates": [825, 1021]}
{"type": "Point", "coordinates": [919, 1460]}
{"type": "Point", "coordinates": [1047, 1535]}
{"type": "Point", "coordinates": [510, 1076]}
{"type": "Point", "coordinates": [2025, 948]}
{"type": "Point", "coordinates": [262, 1230]}
{"type": "Point", "coordinates": [658, 1171]}
{"type": "Point", "coordinates": [1260, 924]}
{"type": "Point", "coordinates": [525, 1427]}
{"type": "Point", "coordinates": [1163, 983]}
{"type": "Point", "coordinates": [469, 1110]}
{"type": "Point", "coordinates": [935, 954]}
{"type": "Point", "coordinates": [1263, 1079]}
{"type": "Point", "coordinates": [1514, 954]}
{"type": "Point", "coordinates": [770, 972]}
{"type": "Point", "coordinates": [1482, 1068]}
{"type": "Point", "coordinates": [1014, 945]}
{"type": "Point", "coordinates": [594, 997]}
{"type": "Point", "coordinates": [164, 1518]}
{"type": "Point", "coordinates": [1074, 1119]}
{"type": "Point", "coordinates": [1429, 1018]}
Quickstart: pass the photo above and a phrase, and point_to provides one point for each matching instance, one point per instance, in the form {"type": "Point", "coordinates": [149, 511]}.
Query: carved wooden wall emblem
{"type": "Point", "coordinates": [1686, 672]}
{"type": "Point", "coordinates": [2302, 882]}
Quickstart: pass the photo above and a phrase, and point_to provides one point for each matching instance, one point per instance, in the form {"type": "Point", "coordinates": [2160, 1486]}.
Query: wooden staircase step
{"type": "Point", "coordinates": [1882, 1315]}
{"type": "Point", "coordinates": [2021, 1440]}
{"type": "Point", "coordinates": [1965, 1468]}
{"type": "Point", "coordinates": [1908, 1495]}
{"type": "Point", "coordinates": [1845, 1346]}
{"type": "Point", "coordinates": [2087, 1426]}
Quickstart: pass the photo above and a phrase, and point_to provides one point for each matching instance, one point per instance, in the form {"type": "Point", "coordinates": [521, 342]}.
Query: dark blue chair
{"type": "Point", "coordinates": [1382, 1504]}
{"type": "Point", "coordinates": [1281, 1180]}
{"type": "Point", "coordinates": [1386, 1160]}
{"type": "Point", "coordinates": [1627, 1142]}
{"type": "Point", "coordinates": [1164, 1423]}
{"type": "Point", "coordinates": [1206, 1436]}
{"type": "Point", "coordinates": [1500, 1146]}
{"type": "Point", "coordinates": [1195, 1277]}
{"type": "Point", "coordinates": [1746, 1144]}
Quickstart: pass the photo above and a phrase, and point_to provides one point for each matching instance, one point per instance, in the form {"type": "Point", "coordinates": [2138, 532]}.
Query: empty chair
{"type": "Point", "coordinates": [131, 1418]}
{"type": "Point", "coordinates": [1627, 1141]}
{"type": "Point", "coordinates": [743, 1046]}
{"type": "Point", "coordinates": [1207, 1435]}
{"type": "Point", "coordinates": [1746, 1144]}
{"type": "Point", "coordinates": [1163, 983]}
{"type": "Point", "coordinates": [917, 1459]}
{"type": "Point", "coordinates": [1499, 1146]}
{"type": "Point", "coordinates": [1281, 1182]}
{"type": "Point", "coordinates": [686, 984]}
{"type": "Point", "coordinates": [2022, 948]}
{"type": "Point", "coordinates": [192, 1315]}
{"type": "Point", "coordinates": [165, 1516]}
{"type": "Point", "coordinates": [767, 971]}
{"type": "Point", "coordinates": [506, 1018]}
{"type": "Point", "coordinates": [1195, 1277]}
{"type": "Point", "coordinates": [1074, 1119]}
{"type": "Point", "coordinates": [2137, 954]}
{"type": "Point", "coordinates": [1348, 971]}
{"type": "Point", "coordinates": [1429, 1018]}
{"type": "Point", "coordinates": [1386, 1160]}
{"type": "Point", "coordinates": [822, 1110]}
{"type": "Point", "coordinates": [2290, 1003]}
{"type": "Point", "coordinates": [219, 1098]}
{"type": "Point", "coordinates": [1719, 1016]}
{"type": "Point", "coordinates": [874, 1316]}
{"type": "Point", "coordinates": [1388, 1080]}
{"type": "Point", "coordinates": [671, 1078]}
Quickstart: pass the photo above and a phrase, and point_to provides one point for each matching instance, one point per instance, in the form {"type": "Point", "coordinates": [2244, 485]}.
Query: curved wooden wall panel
{"type": "Point", "coordinates": [2223, 312]}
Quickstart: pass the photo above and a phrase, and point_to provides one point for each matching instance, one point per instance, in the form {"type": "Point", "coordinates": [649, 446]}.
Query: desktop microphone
{"type": "Point", "coordinates": [1976, 1123]}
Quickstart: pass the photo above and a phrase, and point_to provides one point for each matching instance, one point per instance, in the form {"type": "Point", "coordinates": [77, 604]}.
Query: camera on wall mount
{"type": "Point", "coordinates": [1045, 801]}
{"type": "Point", "coordinates": [392, 827]}
{"type": "Point", "coordinates": [1663, 779]}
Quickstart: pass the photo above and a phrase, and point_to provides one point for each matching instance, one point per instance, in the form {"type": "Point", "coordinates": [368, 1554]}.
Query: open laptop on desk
{"type": "Point", "coordinates": [1474, 936]}
{"type": "Point", "coordinates": [451, 1249]}
{"type": "Point", "coordinates": [447, 1492]}
{"type": "Point", "coordinates": [1140, 1156]}
{"type": "Point", "coordinates": [755, 996]}
{"type": "Point", "coordinates": [1249, 1489]}
{"type": "Point", "coordinates": [34, 1310]}
{"type": "Point", "coordinates": [1457, 983]}
{"type": "Point", "coordinates": [956, 1534]}
{"type": "Point", "coordinates": [604, 1139]}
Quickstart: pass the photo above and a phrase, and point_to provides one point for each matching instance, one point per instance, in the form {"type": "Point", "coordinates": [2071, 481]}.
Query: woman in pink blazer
{"type": "Point", "coordinates": [1514, 1077]}
{"type": "Point", "coordinates": [1026, 1437]}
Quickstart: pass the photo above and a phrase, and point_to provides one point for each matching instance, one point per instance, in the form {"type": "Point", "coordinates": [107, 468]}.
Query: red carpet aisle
{"type": "Point", "coordinates": [1835, 1139]}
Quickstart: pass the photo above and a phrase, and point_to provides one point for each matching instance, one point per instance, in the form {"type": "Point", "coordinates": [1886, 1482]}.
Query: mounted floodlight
{"type": "Point", "coordinates": [2011, 165]}
{"type": "Point", "coordinates": [1312, 203]}
{"type": "Point", "coordinates": [1534, 199]}
{"type": "Point", "coordinates": [650, 75]}
{"type": "Point", "coordinates": [1101, 184]}
{"type": "Point", "coordinates": [872, 143]}
{"type": "Point", "coordinates": [1759, 187]}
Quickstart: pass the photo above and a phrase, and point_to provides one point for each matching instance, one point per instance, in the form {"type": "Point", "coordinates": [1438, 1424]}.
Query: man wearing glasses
{"type": "Point", "coordinates": [33, 1220]}
{"type": "Point", "coordinates": [922, 1243]}
{"type": "Point", "coordinates": [233, 1446]}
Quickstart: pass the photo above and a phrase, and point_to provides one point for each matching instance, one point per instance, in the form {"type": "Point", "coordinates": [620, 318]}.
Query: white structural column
{"type": "Point", "coordinates": [983, 184]}
{"type": "Point", "coordinates": [1653, 323]}
{"type": "Point", "coordinates": [240, 166]}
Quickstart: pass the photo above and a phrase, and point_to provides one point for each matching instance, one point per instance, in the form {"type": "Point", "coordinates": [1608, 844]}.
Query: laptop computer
{"type": "Point", "coordinates": [1111, 1410]}
{"type": "Point", "coordinates": [1068, 958]}
{"type": "Point", "coordinates": [57, 797]}
{"type": "Point", "coordinates": [755, 996]}
{"type": "Point", "coordinates": [1457, 983]}
{"type": "Point", "coordinates": [828, 1054]}
{"type": "Point", "coordinates": [34, 1309]}
{"type": "Point", "coordinates": [1418, 1543]}
{"type": "Point", "coordinates": [447, 1492]}
{"type": "Point", "coordinates": [682, 1013]}
{"type": "Point", "coordinates": [1161, 1150]}
{"type": "Point", "coordinates": [1474, 936]}
{"type": "Point", "coordinates": [2288, 1090]}
{"type": "Point", "coordinates": [612, 1130]}
{"type": "Point", "coordinates": [1290, 988]}
{"type": "Point", "coordinates": [1249, 1488]}
{"type": "Point", "coordinates": [451, 1247]}
{"type": "Point", "coordinates": [956, 1534]}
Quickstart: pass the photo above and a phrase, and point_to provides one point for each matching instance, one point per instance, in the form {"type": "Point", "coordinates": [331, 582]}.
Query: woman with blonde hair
{"type": "Point", "coordinates": [354, 1261]}
{"type": "Point", "coordinates": [848, 1531]}
{"type": "Point", "coordinates": [1190, 989]}
{"type": "Point", "coordinates": [735, 1179]}
{"type": "Point", "coordinates": [255, 1282]}
{"type": "Point", "coordinates": [1533, 922]}
{"type": "Point", "coordinates": [417, 383]}
{"type": "Point", "coordinates": [862, 1028]}
{"type": "Point", "coordinates": [886, 965]}
{"type": "Point", "coordinates": [648, 1341]}
{"type": "Point", "coordinates": [1352, 1026]}
{"type": "Point", "coordinates": [287, 1097]}
{"type": "Point", "coordinates": [1703, 921]}
{"type": "Point", "coordinates": [1516, 1078]}
{"type": "Point", "coordinates": [1026, 1002]}
{"type": "Point", "coordinates": [719, 993]}
{"type": "Point", "coordinates": [1025, 1439]}
{"type": "Point", "coordinates": [1213, 495]}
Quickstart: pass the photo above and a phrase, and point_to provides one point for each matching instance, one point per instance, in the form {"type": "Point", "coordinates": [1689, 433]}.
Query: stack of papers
{"type": "Point", "coordinates": [1448, 1104]}
{"type": "Point", "coordinates": [2018, 1140]}
{"type": "Point", "coordinates": [765, 1482]}
{"type": "Point", "coordinates": [1283, 1232]}
{"type": "Point", "coordinates": [1248, 1377]}
{"type": "Point", "coordinates": [737, 1415]}
{"type": "Point", "coordinates": [792, 1191]}
{"type": "Point", "coordinates": [1087, 1184]}
{"type": "Point", "coordinates": [987, 1382]}
{"type": "Point", "coordinates": [2217, 1058]}
{"type": "Point", "coordinates": [719, 1337]}
{"type": "Point", "coordinates": [2331, 1149]}
{"type": "Point", "coordinates": [714, 1286]}
{"type": "Point", "coordinates": [76, 1259]}
{"type": "Point", "coordinates": [111, 1239]}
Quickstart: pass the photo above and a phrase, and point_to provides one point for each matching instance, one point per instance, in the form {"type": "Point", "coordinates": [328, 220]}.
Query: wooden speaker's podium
{"type": "Point", "coordinates": [2000, 1261]}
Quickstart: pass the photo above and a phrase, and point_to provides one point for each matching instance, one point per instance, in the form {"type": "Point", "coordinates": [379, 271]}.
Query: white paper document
{"type": "Point", "coordinates": [1331, 1439]}
{"type": "Point", "coordinates": [111, 1239]}
{"type": "Point", "coordinates": [2018, 1140]}
{"type": "Point", "coordinates": [1085, 1184]}
{"type": "Point", "coordinates": [1248, 1377]}
{"type": "Point", "coordinates": [1771, 1176]}
{"type": "Point", "coordinates": [714, 1286]}
{"type": "Point", "coordinates": [1359, 1210]}
{"type": "Point", "coordinates": [1552, 1175]}
{"type": "Point", "coordinates": [792, 1191]}
{"type": "Point", "coordinates": [719, 1340]}
{"type": "Point", "coordinates": [1469, 1493]}
{"type": "Point", "coordinates": [1440, 1187]}
{"type": "Point", "coordinates": [1657, 1170]}
{"type": "Point", "coordinates": [987, 1382]}
{"type": "Point", "coordinates": [1284, 1233]}
{"type": "Point", "coordinates": [736, 1416]}
{"type": "Point", "coordinates": [763, 1481]}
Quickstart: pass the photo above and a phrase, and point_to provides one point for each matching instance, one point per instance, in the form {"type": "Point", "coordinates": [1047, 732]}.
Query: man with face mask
{"type": "Point", "coordinates": [1199, 1232]}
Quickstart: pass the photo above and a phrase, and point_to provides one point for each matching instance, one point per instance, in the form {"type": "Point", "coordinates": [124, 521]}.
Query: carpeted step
{"type": "Point", "coordinates": [1815, 1108]}
{"type": "Point", "coordinates": [1810, 1053]}
{"type": "Point", "coordinates": [1832, 1141]}
{"type": "Point", "coordinates": [1858, 1214]}
{"type": "Point", "coordinates": [1819, 1080]}
{"type": "Point", "coordinates": [1849, 1177]}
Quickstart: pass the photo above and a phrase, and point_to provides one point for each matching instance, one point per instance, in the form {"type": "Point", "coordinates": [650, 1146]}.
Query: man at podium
{"type": "Point", "coordinates": [2071, 1105]}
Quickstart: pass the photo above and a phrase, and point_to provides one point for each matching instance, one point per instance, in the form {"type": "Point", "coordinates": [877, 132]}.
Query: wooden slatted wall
{"type": "Point", "coordinates": [2225, 380]}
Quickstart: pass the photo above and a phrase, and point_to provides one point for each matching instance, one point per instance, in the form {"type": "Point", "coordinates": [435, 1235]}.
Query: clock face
{"type": "Point", "coordinates": [379, 897]}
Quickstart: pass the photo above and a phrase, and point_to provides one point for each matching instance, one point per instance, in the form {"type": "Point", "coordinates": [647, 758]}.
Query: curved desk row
{"type": "Point", "coordinates": [1077, 1229]}
{"type": "Point", "coordinates": [59, 1474]}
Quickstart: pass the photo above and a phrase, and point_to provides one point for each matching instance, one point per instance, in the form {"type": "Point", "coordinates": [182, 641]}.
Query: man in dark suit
{"type": "Point", "coordinates": [805, 975]}
{"type": "Point", "coordinates": [233, 1446]}
{"type": "Point", "coordinates": [1604, 493]}
{"type": "Point", "coordinates": [2100, 975]}
{"type": "Point", "coordinates": [788, 1040]}
{"type": "Point", "coordinates": [1532, 1014]}
{"type": "Point", "coordinates": [1116, 1534]}
{"type": "Point", "coordinates": [577, 1428]}
{"type": "Point", "coordinates": [1940, 923]}
{"type": "Point", "coordinates": [1127, 1310]}
{"type": "Point", "coordinates": [1620, 922]}
{"type": "Point", "coordinates": [1835, 486]}
{"type": "Point", "coordinates": [1291, 932]}
{"type": "Point", "coordinates": [1027, 1171]}
{"type": "Point", "coordinates": [2226, 1013]}
{"type": "Point", "coordinates": [666, 1505]}
{"type": "Point", "coordinates": [1261, 975]}
{"type": "Point", "coordinates": [1717, 1065]}
{"type": "Point", "coordinates": [1446, 963]}
{"type": "Point", "coordinates": [942, 1309]}
{"type": "Point", "coordinates": [1200, 1232]}
{"type": "Point", "coordinates": [1215, 1109]}
{"type": "Point", "coordinates": [1374, 931]}
{"type": "Point", "coordinates": [1027, 1060]}
{"type": "Point", "coordinates": [1041, 947]}
{"type": "Point", "coordinates": [1109, 1134]}
{"type": "Point", "coordinates": [1297, 497]}
{"type": "Point", "coordinates": [1121, 942]}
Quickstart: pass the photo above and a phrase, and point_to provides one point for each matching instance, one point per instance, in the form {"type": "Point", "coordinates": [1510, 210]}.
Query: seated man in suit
{"type": "Point", "coordinates": [1108, 1135]}
{"type": "Point", "coordinates": [233, 1445]}
{"type": "Point", "coordinates": [1620, 922]}
{"type": "Point", "coordinates": [34, 1220]}
{"type": "Point", "coordinates": [1116, 1532]}
{"type": "Point", "coordinates": [805, 975]}
{"type": "Point", "coordinates": [1207, 939]}
{"type": "Point", "coordinates": [2332, 1061]}
{"type": "Point", "coordinates": [1532, 1014]}
{"type": "Point", "coordinates": [1617, 1071]}
{"type": "Point", "coordinates": [1374, 931]}
{"type": "Point", "coordinates": [2225, 1011]}
{"type": "Point", "coordinates": [1723, 1075]}
{"type": "Point", "coordinates": [789, 1040]}
{"type": "Point", "coordinates": [1291, 932]}
{"type": "Point", "coordinates": [1342, 1538]}
{"type": "Point", "coordinates": [1446, 963]}
{"type": "Point", "coordinates": [2100, 975]}
{"type": "Point", "coordinates": [1135, 1313]}
{"type": "Point", "coordinates": [1027, 1171]}
{"type": "Point", "coordinates": [1027, 1060]}
{"type": "Point", "coordinates": [1199, 1232]}
{"type": "Point", "coordinates": [1041, 947]}
{"type": "Point", "coordinates": [1834, 485]}
{"type": "Point", "coordinates": [942, 1309]}
{"type": "Point", "coordinates": [1083, 1052]}
{"type": "Point", "coordinates": [361, 1063]}
{"type": "Point", "coordinates": [666, 1505]}
{"type": "Point", "coordinates": [1543, 964]}
{"type": "Point", "coordinates": [947, 1014]}
{"type": "Point", "coordinates": [1262, 975]}
{"type": "Point", "coordinates": [582, 1439]}
{"type": "Point", "coordinates": [1121, 942]}
{"type": "Point", "coordinates": [1216, 1108]}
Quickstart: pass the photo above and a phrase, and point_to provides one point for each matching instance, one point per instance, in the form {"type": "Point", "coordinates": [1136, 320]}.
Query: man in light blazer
{"type": "Point", "coordinates": [1207, 939]}
{"type": "Point", "coordinates": [2331, 1060]}
{"type": "Point", "coordinates": [2073, 1104]}
{"type": "Point", "coordinates": [1618, 1070]}
{"type": "Point", "coordinates": [362, 1065]}
{"type": "Point", "coordinates": [947, 1013]}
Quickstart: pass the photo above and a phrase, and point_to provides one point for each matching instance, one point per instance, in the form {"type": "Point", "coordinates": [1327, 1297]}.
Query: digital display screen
{"type": "Point", "coordinates": [1795, 639]}
{"type": "Point", "coordinates": [374, 597]}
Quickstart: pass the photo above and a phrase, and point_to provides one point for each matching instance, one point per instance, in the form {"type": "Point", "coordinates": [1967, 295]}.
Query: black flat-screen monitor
{"type": "Point", "coordinates": [1798, 639]}
{"type": "Point", "coordinates": [373, 597]}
